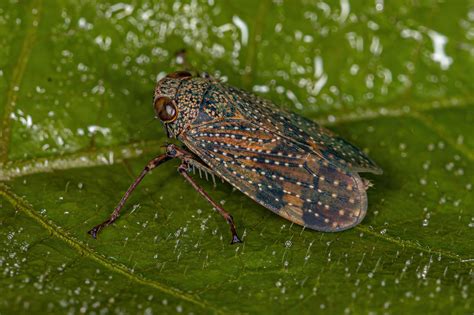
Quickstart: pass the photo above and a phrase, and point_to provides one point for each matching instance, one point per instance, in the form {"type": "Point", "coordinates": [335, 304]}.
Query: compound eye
{"type": "Point", "coordinates": [166, 109]}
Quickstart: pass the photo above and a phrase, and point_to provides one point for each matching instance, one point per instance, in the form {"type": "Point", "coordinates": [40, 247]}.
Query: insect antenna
{"type": "Point", "coordinates": [145, 125]}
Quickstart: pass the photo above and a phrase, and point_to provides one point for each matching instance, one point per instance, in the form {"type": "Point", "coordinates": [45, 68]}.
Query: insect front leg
{"type": "Point", "coordinates": [183, 170]}
{"type": "Point", "coordinates": [172, 151]}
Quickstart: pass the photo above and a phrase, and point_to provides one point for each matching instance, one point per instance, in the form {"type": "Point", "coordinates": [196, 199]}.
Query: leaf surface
{"type": "Point", "coordinates": [76, 80]}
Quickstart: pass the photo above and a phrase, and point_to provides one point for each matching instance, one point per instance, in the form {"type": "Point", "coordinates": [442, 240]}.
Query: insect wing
{"type": "Point", "coordinates": [322, 141]}
{"type": "Point", "coordinates": [280, 174]}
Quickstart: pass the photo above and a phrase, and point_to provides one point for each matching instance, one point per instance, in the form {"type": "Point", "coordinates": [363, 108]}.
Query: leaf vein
{"type": "Point", "coordinates": [56, 231]}
{"type": "Point", "coordinates": [18, 72]}
{"type": "Point", "coordinates": [414, 245]}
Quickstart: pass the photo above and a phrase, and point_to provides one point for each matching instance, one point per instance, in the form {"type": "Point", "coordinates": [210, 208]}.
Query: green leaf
{"type": "Point", "coordinates": [77, 125]}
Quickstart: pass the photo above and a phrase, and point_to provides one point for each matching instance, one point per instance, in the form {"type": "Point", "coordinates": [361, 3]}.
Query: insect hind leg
{"type": "Point", "coordinates": [183, 170]}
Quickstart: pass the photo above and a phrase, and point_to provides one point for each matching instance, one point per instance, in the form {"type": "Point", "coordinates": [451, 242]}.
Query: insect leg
{"type": "Point", "coordinates": [182, 59]}
{"type": "Point", "coordinates": [151, 165]}
{"type": "Point", "coordinates": [183, 170]}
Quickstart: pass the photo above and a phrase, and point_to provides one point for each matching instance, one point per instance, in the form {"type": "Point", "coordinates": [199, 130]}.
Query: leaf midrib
{"type": "Point", "coordinates": [12, 169]}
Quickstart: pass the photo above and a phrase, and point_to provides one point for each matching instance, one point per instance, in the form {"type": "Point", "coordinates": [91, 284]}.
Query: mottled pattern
{"type": "Point", "coordinates": [320, 140]}
{"type": "Point", "coordinates": [285, 162]}
{"type": "Point", "coordinates": [280, 175]}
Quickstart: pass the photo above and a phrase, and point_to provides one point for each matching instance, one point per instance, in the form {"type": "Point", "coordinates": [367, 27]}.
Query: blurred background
{"type": "Point", "coordinates": [77, 125]}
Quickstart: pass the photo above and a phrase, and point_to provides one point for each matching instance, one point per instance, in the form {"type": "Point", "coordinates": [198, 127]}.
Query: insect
{"type": "Point", "coordinates": [285, 162]}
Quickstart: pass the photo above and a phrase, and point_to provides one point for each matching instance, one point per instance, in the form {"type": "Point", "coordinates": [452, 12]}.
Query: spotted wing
{"type": "Point", "coordinates": [280, 174]}
{"type": "Point", "coordinates": [322, 141]}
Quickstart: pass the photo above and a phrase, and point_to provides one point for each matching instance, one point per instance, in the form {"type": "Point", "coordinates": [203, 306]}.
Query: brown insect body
{"type": "Point", "coordinates": [285, 162]}
{"type": "Point", "coordinates": [289, 164]}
